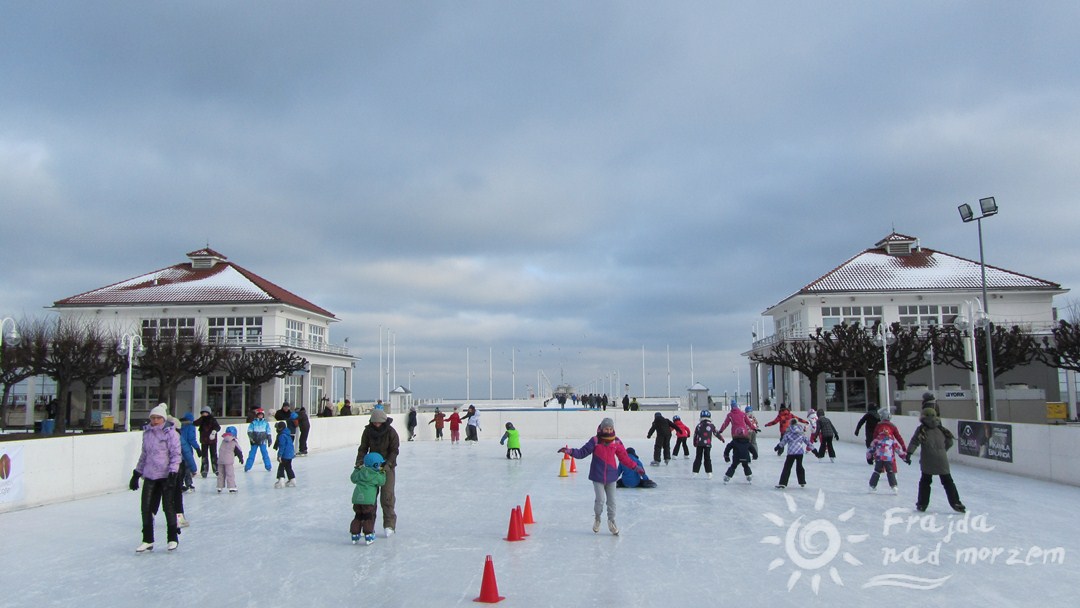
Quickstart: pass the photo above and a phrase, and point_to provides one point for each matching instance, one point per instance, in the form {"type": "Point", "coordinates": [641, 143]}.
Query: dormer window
{"type": "Point", "coordinates": [205, 258]}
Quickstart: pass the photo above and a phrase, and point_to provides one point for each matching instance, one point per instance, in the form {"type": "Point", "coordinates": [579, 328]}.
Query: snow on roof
{"type": "Point", "coordinates": [923, 269]}
{"type": "Point", "coordinates": [185, 283]}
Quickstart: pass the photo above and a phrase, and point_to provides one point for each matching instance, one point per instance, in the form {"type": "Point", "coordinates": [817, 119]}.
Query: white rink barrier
{"type": "Point", "coordinates": [57, 469]}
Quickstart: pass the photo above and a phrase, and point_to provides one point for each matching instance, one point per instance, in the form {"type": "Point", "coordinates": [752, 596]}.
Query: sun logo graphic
{"type": "Point", "coordinates": [812, 545]}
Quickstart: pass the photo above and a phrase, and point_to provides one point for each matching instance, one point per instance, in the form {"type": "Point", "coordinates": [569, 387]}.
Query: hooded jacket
{"type": "Point", "coordinates": [382, 440]}
{"type": "Point", "coordinates": [935, 441]}
{"type": "Point", "coordinates": [606, 456]}
{"type": "Point", "coordinates": [367, 481]}
{"type": "Point", "coordinates": [160, 453]}
{"type": "Point", "coordinates": [228, 448]}
{"type": "Point", "coordinates": [189, 442]}
{"type": "Point", "coordinates": [740, 424]}
{"type": "Point", "coordinates": [284, 445]}
{"type": "Point", "coordinates": [662, 427]}
{"type": "Point", "coordinates": [784, 418]}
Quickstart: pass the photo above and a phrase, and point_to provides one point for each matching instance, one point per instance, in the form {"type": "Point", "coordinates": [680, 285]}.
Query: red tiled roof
{"type": "Point", "coordinates": [223, 283]}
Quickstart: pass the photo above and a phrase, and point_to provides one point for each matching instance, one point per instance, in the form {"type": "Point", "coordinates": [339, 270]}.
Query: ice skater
{"type": "Point", "coordinates": [607, 452]}
{"type": "Point", "coordinates": [226, 472]}
{"type": "Point", "coordinates": [682, 433]}
{"type": "Point", "coordinates": [883, 453]}
{"type": "Point", "coordinates": [189, 445]}
{"type": "Point", "coordinates": [380, 437]}
{"type": "Point", "coordinates": [629, 478]}
{"type": "Point", "coordinates": [259, 436]}
{"type": "Point", "coordinates": [367, 478]}
{"type": "Point", "coordinates": [158, 466]}
{"type": "Point", "coordinates": [826, 433]}
{"type": "Point", "coordinates": [739, 451]}
{"type": "Point", "coordinates": [935, 441]}
{"type": "Point", "coordinates": [472, 424]}
{"type": "Point", "coordinates": [439, 421]}
{"type": "Point", "coordinates": [703, 436]}
{"type": "Point", "coordinates": [512, 439]}
{"type": "Point", "coordinates": [796, 442]}
{"type": "Point", "coordinates": [454, 420]}
{"type": "Point", "coordinates": [663, 429]}
{"type": "Point", "coordinates": [286, 452]}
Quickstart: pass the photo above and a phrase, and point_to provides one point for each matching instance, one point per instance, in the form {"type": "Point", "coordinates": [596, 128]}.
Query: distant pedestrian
{"type": "Point", "coordinates": [626, 403]}
{"type": "Point", "coordinates": [440, 422]}
{"type": "Point", "coordinates": [826, 433]}
{"type": "Point", "coordinates": [883, 453]}
{"type": "Point", "coordinates": [189, 445]}
{"type": "Point", "coordinates": [410, 422]}
{"type": "Point", "coordinates": [303, 423]}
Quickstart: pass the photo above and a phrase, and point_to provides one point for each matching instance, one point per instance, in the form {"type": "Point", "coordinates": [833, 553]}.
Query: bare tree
{"type": "Point", "coordinates": [801, 356]}
{"type": "Point", "coordinates": [1062, 349]}
{"type": "Point", "coordinates": [257, 367]}
{"type": "Point", "coordinates": [101, 360]}
{"type": "Point", "coordinates": [1013, 347]}
{"type": "Point", "coordinates": [171, 360]}
{"type": "Point", "coordinates": [61, 350]}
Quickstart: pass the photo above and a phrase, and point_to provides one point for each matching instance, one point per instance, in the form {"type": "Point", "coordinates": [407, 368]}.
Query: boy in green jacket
{"type": "Point", "coordinates": [512, 440]}
{"type": "Point", "coordinates": [368, 479]}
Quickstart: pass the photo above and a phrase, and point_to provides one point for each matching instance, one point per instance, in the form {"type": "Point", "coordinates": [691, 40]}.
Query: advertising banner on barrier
{"type": "Point", "coordinates": [11, 474]}
{"type": "Point", "coordinates": [989, 440]}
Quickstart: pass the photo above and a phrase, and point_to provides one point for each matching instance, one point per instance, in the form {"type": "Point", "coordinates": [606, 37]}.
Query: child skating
{"type": "Point", "coordinates": [226, 472]}
{"type": "Point", "coordinates": [512, 439]}
{"type": "Point", "coordinates": [682, 433]}
{"type": "Point", "coordinates": [883, 453]}
{"type": "Point", "coordinates": [286, 452]}
{"type": "Point", "coordinates": [797, 443]}
{"type": "Point", "coordinates": [607, 452]}
{"type": "Point", "coordinates": [703, 436]}
{"type": "Point", "coordinates": [739, 451]}
{"type": "Point", "coordinates": [367, 478]}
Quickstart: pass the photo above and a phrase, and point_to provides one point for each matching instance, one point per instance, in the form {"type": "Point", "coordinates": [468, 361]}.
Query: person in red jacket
{"type": "Point", "coordinates": [682, 432]}
{"type": "Point", "coordinates": [885, 425]}
{"type": "Point", "coordinates": [784, 418]}
{"type": "Point", "coordinates": [454, 419]}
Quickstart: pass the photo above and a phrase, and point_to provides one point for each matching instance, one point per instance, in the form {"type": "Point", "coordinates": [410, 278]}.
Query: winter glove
{"type": "Point", "coordinates": [561, 451]}
{"type": "Point", "coordinates": [869, 460]}
{"type": "Point", "coordinates": [213, 435]}
{"type": "Point", "coordinates": [727, 458]}
{"type": "Point", "coordinates": [907, 459]}
{"type": "Point", "coordinates": [134, 483]}
{"type": "Point", "coordinates": [641, 472]}
{"type": "Point", "coordinates": [779, 450]}
{"type": "Point", "coordinates": [172, 481]}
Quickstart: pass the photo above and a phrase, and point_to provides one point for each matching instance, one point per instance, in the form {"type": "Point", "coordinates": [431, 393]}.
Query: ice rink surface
{"type": "Point", "coordinates": [688, 542]}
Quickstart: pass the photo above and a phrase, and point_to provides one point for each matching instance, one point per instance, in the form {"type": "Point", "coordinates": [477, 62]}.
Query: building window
{"type": "Point", "coordinates": [168, 327]}
{"type": "Point", "coordinates": [294, 332]}
{"type": "Point", "coordinates": [318, 388]}
{"type": "Point", "coordinates": [317, 335]}
{"type": "Point", "coordinates": [225, 397]}
{"type": "Point", "coordinates": [294, 391]}
{"type": "Point", "coordinates": [864, 316]}
{"type": "Point", "coordinates": [926, 315]}
{"type": "Point", "coordinates": [235, 330]}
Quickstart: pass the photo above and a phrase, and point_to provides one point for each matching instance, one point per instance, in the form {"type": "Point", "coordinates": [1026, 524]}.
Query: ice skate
{"type": "Point", "coordinates": [920, 508]}
{"type": "Point", "coordinates": [388, 531]}
{"type": "Point", "coordinates": [279, 484]}
{"type": "Point", "coordinates": [686, 457]}
{"type": "Point", "coordinates": [873, 489]}
{"type": "Point", "coordinates": [694, 474]}
{"type": "Point", "coordinates": [780, 486]}
{"type": "Point", "coordinates": [667, 462]}
{"type": "Point", "coordinates": [181, 521]}
{"type": "Point", "coordinates": [233, 490]}
{"type": "Point", "coordinates": [709, 475]}
{"type": "Point", "coordinates": [655, 463]}
{"type": "Point", "coordinates": [895, 490]}
{"type": "Point", "coordinates": [596, 525]}
{"type": "Point", "coordinates": [612, 527]}
{"type": "Point", "coordinates": [143, 547]}
{"type": "Point", "coordinates": [291, 483]}
{"type": "Point", "coordinates": [219, 490]}
{"type": "Point", "coordinates": [726, 479]}
{"type": "Point", "coordinates": [802, 485]}
{"type": "Point", "coordinates": [959, 508]}
{"type": "Point", "coordinates": [369, 538]}
{"type": "Point", "coordinates": [355, 538]}
{"type": "Point", "coordinates": [831, 459]}
{"type": "Point", "coordinates": [749, 479]}
{"type": "Point", "coordinates": [172, 545]}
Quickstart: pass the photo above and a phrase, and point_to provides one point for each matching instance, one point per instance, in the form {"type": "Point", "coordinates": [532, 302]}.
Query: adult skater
{"type": "Point", "coordinates": [208, 430]}
{"type": "Point", "coordinates": [158, 466]}
{"type": "Point", "coordinates": [870, 420]}
{"type": "Point", "coordinates": [935, 441]}
{"type": "Point", "coordinates": [380, 437]}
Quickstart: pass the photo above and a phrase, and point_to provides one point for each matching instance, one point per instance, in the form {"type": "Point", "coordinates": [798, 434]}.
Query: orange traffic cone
{"type": "Point", "coordinates": [489, 589]}
{"type": "Point", "coordinates": [573, 466]}
{"type": "Point", "coordinates": [527, 515]}
{"type": "Point", "coordinates": [562, 468]}
{"type": "Point", "coordinates": [521, 523]}
{"type": "Point", "coordinates": [513, 531]}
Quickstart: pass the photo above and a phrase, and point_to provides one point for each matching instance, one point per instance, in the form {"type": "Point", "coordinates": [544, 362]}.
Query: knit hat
{"type": "Point", "coordinates": [204, 410]}
{"type": "Point", "coordinates": [160, 410]}
{"type": "Point", "coordinates": [928, 397]}
{"type": "Point", "coordinates": [378, 416]}
{"type": "Point", "coordinates": [606, 436]}
{"type": "Point", "coordinates": [631, 451]}
{"type": "Point", "coordinates": [884, 413]}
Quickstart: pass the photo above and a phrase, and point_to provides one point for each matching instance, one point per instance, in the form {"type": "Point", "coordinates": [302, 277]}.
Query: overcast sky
{"type": "Point", "coordinates": [573, 180]}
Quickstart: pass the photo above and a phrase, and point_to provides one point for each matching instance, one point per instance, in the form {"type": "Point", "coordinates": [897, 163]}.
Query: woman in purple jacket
{"type": "Point", "coordinates": [158, 466]}
{"type": "Point", "coordinates": [607, 452]}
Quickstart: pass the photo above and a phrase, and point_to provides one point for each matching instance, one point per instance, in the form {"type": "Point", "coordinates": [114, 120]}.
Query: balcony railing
{"type": "Point", "coordinates": [1039, 328]}
{"type": "Point", "coordinates": [280, 342]}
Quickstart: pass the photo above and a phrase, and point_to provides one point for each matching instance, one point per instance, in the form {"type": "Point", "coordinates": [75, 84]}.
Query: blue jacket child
{"type": "Point", "coordinates": [630, 478]}
{"type": "Point", "coordinates": [189, 444]}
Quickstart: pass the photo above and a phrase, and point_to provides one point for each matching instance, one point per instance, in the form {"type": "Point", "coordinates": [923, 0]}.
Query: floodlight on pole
{"type": "Point", "coordinates": [988, 207]}
{"type": "Point", "coordinates": [127, 347]}
{"type": "Point", "coordinates": [884, 337]}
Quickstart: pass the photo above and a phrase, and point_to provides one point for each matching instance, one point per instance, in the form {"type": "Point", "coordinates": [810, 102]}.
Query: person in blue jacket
{"type": "Point", "coordinates": [189, 444]}
{"type": "Point", "coordinates": [286, 452]}
{"type": "Point", "coordinates": [629, 478]}
{"type": "Point", "coordinates": [259, 435]}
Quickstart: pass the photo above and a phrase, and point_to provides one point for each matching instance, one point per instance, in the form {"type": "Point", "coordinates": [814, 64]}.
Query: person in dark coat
{"type": "Point", "coordinates": [870, 420]}
{"type": "Point", "coordinates": [381, 438]}
{"type": "Point", "coordinates": [304, 424]}
{"type": "Point", "coordinates": [285, 414]}
{"type": "Point", "coordinates": [208, 429]}
{"type": "Point", "coordinates": [663, 429]}
{"type": "Point", "coordinates": [626, 403]}
{"type": "Point", "coordinates": [410, 423]}
{"type": "Point", "coordinates": [935, 441]}
{"type": "Point", "coordinates": [826, 431]}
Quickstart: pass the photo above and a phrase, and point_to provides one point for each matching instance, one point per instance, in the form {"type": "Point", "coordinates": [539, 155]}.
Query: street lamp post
{"type": "Point", "coordinates": [971, 321]}
{"type": "Point", "coordinates": [885, 337]}
{"type": "Point", "coordinates": [12, 336]}
{"type": "Point", "coordinates": [988, 206]}
{"type": "Point", "coordinates": [127, 347]}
